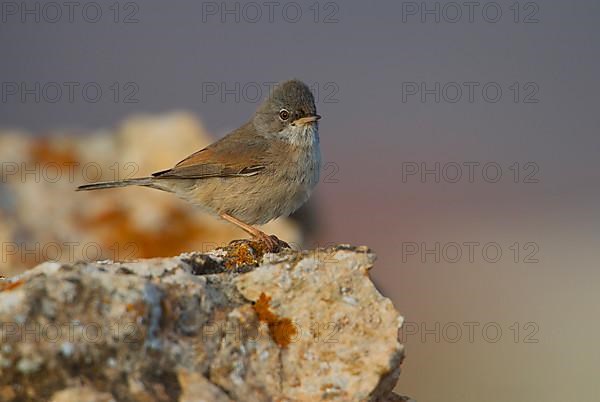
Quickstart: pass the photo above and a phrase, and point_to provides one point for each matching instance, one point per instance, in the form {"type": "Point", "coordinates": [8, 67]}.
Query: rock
{"type": "Point", "coordinates": [42, 218]}
{"type": "Point", "coordinates": [231, 324]}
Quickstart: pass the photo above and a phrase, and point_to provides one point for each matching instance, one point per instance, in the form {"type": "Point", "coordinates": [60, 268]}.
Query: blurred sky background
{"type": "Point", "coordinates": [364, 59]}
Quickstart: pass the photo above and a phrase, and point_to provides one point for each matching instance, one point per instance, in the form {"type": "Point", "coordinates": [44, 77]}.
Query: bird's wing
{"type": "Point", "coordinates": [238, 154]}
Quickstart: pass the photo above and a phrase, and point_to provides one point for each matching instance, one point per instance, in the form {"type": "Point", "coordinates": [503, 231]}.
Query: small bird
{"type": "Point", "coordinates": [265, 169]}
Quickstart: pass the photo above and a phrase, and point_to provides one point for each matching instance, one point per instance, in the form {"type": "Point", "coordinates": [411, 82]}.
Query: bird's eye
{"type": "Point", "coordinates": [284, 114]}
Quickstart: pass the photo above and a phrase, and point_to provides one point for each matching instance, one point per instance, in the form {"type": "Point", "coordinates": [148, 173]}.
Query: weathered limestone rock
{"type": "Point", "coordinates": [228, 325]}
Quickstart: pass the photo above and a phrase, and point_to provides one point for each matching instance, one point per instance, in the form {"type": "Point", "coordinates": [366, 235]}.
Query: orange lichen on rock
{"type": "Point", "coordinates": [10, 285]}
{"type": "Point", "coordinates": [120, 233]}
{"type": "Point", "coordinates": [244, 253]}
{"type": "Point", "coordinates": [139, 309]}
{"type": "Point", "coordinates": [281, 329]}
{"type": "Point", "coordinates": [42, 151]}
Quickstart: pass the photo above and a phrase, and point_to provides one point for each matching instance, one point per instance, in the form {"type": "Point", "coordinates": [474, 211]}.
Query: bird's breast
{"type": "Point", "coordinates": [304, 160]}
{"type": "Point", "coordinates": [297, 174]}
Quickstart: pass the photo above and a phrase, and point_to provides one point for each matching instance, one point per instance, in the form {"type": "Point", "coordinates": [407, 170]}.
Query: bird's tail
{"type": "Point", "coordinates": [142, 181]}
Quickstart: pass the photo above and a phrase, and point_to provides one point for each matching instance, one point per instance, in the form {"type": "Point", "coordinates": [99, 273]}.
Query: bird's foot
{"type": "Point", "coordinates": [271, 243]}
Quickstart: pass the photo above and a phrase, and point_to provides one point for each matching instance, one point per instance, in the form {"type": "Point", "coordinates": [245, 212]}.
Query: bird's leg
{"type": "Point", "coordinates": [272, 242]}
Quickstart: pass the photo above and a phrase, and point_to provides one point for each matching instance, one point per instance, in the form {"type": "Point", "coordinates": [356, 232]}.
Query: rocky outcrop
{"type": "Point", "coordinates": [227, 325]}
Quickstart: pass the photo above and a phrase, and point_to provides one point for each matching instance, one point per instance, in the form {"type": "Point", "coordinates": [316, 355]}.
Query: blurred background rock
{"type": "Point", "coordinates": [43, 218]}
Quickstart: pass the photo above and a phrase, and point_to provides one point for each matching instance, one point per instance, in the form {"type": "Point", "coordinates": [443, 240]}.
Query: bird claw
{"type": "Point", "coordinates": [272, 243]}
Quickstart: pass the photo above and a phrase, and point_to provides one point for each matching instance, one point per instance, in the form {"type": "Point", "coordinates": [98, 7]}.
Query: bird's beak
{"type": "Point", "coordinates": [306, 120]}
